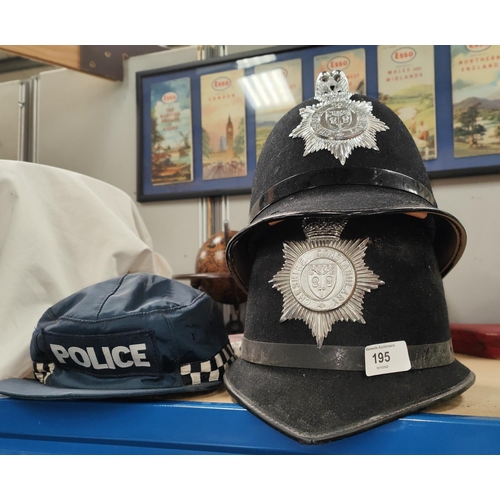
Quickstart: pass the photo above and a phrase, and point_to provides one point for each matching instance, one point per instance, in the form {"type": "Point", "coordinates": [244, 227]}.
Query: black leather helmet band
{"type": "Point", "coordinates": [359, 176]}
{"type": "Point", "coordinates": [333, 357]}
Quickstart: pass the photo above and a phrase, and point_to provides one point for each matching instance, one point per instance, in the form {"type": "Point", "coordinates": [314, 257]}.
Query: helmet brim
{"type": "Point", "coordinates": [346, 201]}
{"type": "Point", "coordinates": [327, 405]}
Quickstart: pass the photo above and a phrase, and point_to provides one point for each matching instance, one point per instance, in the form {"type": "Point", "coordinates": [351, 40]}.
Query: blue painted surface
{"type": "Point", "coordinates": [77, 427]}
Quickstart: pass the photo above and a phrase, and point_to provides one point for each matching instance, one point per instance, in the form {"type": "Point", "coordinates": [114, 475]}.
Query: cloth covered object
{"type": "Point", "coordinates": [60, 231]}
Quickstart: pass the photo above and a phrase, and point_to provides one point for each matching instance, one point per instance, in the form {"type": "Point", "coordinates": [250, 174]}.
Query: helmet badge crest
{"type": "Point", "coordinates": [337, 123]}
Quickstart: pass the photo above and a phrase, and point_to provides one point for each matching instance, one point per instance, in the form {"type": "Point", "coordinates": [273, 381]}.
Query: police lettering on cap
{"type": "Point", "coordinates": [112, 358]}
{"type": "Point", "coordinates": [346, 322]}
{"type": "Point", "coordinates": [134, 335]}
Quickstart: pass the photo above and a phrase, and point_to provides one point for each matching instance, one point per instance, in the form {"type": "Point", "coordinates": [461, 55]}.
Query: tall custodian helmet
{"type": "Point", "coordinates": [346, 322]}
{"type": "Point", "coordinates": [343, 155]}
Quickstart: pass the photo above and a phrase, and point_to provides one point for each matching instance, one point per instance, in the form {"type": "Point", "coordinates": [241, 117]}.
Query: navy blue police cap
{"type": "Point", "coordinates": [133, 335]}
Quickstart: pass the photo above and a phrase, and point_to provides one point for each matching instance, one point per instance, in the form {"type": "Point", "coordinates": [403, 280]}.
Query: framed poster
{"type": "Point", "coordinates": [475, 71]}
{"type": "Point", "coordinates": [223, 119]}
{"type": "Point", "coordinates": [201, 126]}
{"type": "Point", "coordinates": [171, 132]}
{"type": "Point", "coordinates": [406, 85]}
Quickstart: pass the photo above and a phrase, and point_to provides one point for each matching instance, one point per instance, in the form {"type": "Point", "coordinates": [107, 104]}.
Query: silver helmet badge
{"type": "Point", "coordinates": [337, 123]}
{"type": "Point", "coordinates": [324, 278]}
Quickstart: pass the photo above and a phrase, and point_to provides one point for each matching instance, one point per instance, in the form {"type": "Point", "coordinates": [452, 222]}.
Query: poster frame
{"type": "Point", "coordinates": [444, 166]}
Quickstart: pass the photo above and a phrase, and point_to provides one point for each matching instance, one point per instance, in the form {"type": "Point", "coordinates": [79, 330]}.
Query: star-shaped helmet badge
{"type": "Point", "coordinates": [337, 123]}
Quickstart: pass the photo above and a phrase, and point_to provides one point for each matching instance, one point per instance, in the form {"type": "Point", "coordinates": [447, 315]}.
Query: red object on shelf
{"type": "Point", "coordinates": [476, 340]}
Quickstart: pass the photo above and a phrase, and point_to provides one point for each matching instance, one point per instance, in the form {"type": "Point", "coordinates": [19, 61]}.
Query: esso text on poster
{"type": "Point", "coordinates": [169, 97]}
{"type": "Point", "coordinates": [403, 55]}
{"type": "Point", "coordinates": [477, 48]}
{"type": "Point", "coordinates": [221, 83]}
{"type": "Point", "coordinates": [339, 62]}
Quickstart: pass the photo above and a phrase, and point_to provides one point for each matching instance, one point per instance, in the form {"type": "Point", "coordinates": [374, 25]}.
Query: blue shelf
{"type": "Point", "coordinates": [175, 427]}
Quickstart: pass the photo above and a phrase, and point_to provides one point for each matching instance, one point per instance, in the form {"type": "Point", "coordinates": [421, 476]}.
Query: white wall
{"type": "Point", "coordinates": [9, 122]}
{"type": "Point", "coordinates": [473, 286]}
{"type": "Point", "coordinates": [89, 125]}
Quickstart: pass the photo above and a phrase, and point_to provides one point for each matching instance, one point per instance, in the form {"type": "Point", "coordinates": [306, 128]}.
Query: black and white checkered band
{"type": "Point", "coordinates": [43, 371]}
{"type": "Point", "coordinates": [211, 370]}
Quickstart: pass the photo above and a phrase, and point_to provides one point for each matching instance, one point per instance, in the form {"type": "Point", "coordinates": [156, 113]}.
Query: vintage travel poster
{"type": "Point", "coordinates": [171, 132]}
{"type": "Point", "coordinates": [406, 84]}
{"type": "Point", "coordinates": [475, 75]}
{"type": "Point", "coordinates": [273, 90]}
{"type": "Point", "coordinates": [223, 125]}
{"type": "Point", "coordinates": [351, 62]}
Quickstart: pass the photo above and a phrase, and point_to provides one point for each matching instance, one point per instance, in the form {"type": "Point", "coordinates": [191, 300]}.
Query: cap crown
{"type": "Point", "coordinates": [136, 331]}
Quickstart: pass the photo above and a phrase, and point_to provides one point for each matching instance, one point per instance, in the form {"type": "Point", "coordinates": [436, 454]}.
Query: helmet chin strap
{"type": "Point", "coordinates": [341, 176]}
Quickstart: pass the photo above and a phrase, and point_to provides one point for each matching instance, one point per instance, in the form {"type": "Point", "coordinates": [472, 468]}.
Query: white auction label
{"type": "Point", "coordinates": [391, 357]}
